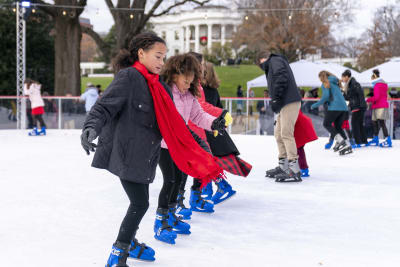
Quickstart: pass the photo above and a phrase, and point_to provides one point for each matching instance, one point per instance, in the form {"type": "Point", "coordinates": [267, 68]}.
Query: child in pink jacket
{"type": "Point", "coordinates": [32, 89]}
{"type": "Point", "coordinates": [379, 105]}
{"type": "Point", "coordinates": [179, 73]}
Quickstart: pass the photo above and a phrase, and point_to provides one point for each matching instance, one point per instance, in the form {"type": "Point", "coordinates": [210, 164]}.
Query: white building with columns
{"type": "Point", "coordinates": [197, 29]}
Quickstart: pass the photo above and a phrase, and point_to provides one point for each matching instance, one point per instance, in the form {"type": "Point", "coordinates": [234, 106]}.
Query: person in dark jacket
{"type": "Point", "coordinates": [355, 95]}
{"type": "Point", "coordinates": [286, 102]}
{"type": "Point", "coordinates": [129, 138]}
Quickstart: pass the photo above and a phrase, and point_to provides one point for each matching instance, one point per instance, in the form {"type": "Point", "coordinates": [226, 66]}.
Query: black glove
{"type": "Point", "coordinates": [219, 123]}
{"type": "Point", "coordinates": [276, 105]}
{"type": "Point", "coordinates": [87, 137]}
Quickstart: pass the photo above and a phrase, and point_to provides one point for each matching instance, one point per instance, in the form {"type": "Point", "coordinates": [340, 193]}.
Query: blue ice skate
{"type": "Point", "coordinates": [162, 230]}
{"type": "Point", "coordinates": [329, 144]}
{"type": "Point", "coordinates": [34, 132]}
{"type": "Point", "coordinates": [197, 203]}
{"type": "Point", "coordinates": [374, 141]}
{"type": "Point", "coordinates": [207, 191]}
{"type": "Point", "coordinates": [305, 173]}
{"type": "Point", "coordinates": [140, 251]}
{"type": "Point", "coordinates": [181, 208]}
{"type": "Point", "coordinates": [387, 142]}
{"type": "Point", "coordinates": [42, 131]}
{"type": "Point", "coordinates": [179, 226]}
{"type": "Point", "coordinates": [119, 254]}
{"type": "Point", "coordinates": [224, 191]}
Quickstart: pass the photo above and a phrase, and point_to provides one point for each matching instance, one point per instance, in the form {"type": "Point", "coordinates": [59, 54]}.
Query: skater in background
{"type": "Point", "coordinates": [355, 95]}
{"type": "Point", "coordinates": [286, 103]}
{"type": "Point", "coordinates": [379, 105]}
{"type": "Point", "coordinates": [130, 119]}
{"type": "Point", "coordinates": [336, 113]}
{"type": "Point", "coordinates": [222, 146]}
{"type": "Point", "coordinates": [32, 89]}
{"type": "Point", "coordinates": [181, 73]}
{"type": "Point", "coordinates": [90, 96]}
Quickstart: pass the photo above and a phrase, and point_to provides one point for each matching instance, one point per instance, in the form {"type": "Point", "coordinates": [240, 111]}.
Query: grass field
{"type": "Point", "coordinates": [230, 78]}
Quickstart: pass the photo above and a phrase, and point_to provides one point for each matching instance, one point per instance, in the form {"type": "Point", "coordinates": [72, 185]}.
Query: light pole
{"type": "Point", "coordinates": [21, 8]}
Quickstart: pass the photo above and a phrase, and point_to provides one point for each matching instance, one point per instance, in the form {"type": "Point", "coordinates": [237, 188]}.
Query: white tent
{"type": "Point", "coordinates": [390, 73]}
{"type": "Point", "coordinates": [306, 74]}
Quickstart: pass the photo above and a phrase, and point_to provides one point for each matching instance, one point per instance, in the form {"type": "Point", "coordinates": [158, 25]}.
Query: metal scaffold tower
{"type": "Point", "coordinates": [21, 66]}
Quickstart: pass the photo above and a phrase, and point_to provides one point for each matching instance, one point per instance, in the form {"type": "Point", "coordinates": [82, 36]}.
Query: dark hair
{"type": "Point", "coordinates": [98, 86]}
{"type": "Point", "coordinates": [260, 55]}
{"type": "Point", "coordinates": [197, 55]}
{"type": "Point", "coordinates": [29, 82]}
{"type": "Point", "coordinates": [183, 64]}
{"type": "Point", "coordinates": [126, 58]}
{"type": "Point", "coordinates": [376, 72]}
{"type": "Point", "coordinates": [346, 73]}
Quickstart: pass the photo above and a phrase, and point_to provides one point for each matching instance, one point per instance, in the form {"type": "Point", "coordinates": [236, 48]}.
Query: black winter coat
{"type": "Point", "coordinates": [281, 83]}
{"type": "Point", "coordinates": [355, 95]}
{"type": "Point", "coordinates": [222, 145]}
{"type": "Point", "coordinates": [129, 138]}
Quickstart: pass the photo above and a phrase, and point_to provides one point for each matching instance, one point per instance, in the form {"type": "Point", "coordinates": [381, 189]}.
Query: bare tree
{"type": "Point", "coordinates": [129, 23]}
{"type": "Point", "coordinates": [66, 44]}
{"type": "Point", "coordinates": [293, 28]}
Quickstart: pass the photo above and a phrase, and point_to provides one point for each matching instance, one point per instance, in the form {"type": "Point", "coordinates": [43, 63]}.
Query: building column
{"type": "Point", "coordinates": [209, 36]}
{"type": "Point", "coordinates": [182, 39]}
{"type": "Point", "coordinates": [187, 38]}
{"type": "Point", "coordinates": [222, 34]}
{"type": "Point", "coordinates": [197, 38]}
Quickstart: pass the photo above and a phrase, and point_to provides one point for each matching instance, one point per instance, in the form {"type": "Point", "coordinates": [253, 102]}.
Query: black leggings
{"type": "Point", "coordinates": [138, 195]}
{"type": "Point", "coordinates": [172, 180]}
{"type": "Point", "coordinates": [378, 124]}
{"type": "Point", "coordinates": [357, 125]}
{"type": "Point", "coordinates": [337, 118]}
{"type": "Point", "coordinates": [37, 118]}
{"type": "Point", "coordinates": [196, 183]}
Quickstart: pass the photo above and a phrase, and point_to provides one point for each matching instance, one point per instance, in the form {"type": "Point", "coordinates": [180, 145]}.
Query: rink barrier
{"type": "Point", "coordinates": [64, 112]}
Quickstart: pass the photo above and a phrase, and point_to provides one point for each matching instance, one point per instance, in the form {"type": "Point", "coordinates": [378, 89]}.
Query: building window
{"type": "Point", "coordinates": [176, 52]}
{"type": "Point", "coordinates": [164, 35]}
{"type": "Point", "coordinates": [176, 35]}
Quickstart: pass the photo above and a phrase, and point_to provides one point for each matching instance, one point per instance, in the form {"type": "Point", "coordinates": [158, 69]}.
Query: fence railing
{"type": "Point", "coordinates": [249, 118]}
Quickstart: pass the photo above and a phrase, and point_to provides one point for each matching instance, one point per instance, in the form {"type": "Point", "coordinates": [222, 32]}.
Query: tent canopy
{"type": "Point", "coordinates": [306, 74]}
{"type": "Point", "coordinates": [390, 73]}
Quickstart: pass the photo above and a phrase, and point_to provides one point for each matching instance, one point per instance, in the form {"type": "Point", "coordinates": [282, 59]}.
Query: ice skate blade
{"type": "Point", "coordinates": [343, 153]}
{"type": "Point", "coordinates": [289, 180]}
{"type": "Point", "coordinates": [228, 196]}
{"type": "Point", "coordinates": [142, 260]}
{"type": "Point", "coordinates": [202, 211]}
{"type": "Point", "coordinates": [187, 232]}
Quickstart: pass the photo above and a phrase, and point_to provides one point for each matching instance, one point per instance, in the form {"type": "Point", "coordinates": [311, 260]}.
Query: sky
{"type": "Point", "coordinates": [102, 21]}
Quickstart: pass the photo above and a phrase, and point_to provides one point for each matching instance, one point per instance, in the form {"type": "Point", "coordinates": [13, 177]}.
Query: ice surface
{"type": "Point", "coordinates": [57, 211]}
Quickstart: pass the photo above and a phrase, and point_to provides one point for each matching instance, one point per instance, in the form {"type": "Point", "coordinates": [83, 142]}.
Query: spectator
{"type": "Point", "coordinates": [239, 103]}
{"type": "Point", "coordinates": [251, 95]}
{"type": "Point", "coordinates": [394, 93]}
{"type": "Point", "coordinates": [90, 96]}
{"type": "Point", "coordinates": [265, 112]}
{"type": "Point", "coordinates": [99, 91]}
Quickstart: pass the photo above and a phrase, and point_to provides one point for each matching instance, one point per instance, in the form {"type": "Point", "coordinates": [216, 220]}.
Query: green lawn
{"type": "Point", "coordinates": [230, 78]}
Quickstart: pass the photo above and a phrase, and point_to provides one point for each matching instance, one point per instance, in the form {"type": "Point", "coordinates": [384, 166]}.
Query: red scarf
{"type": "Point", "coordinates": [184, 150]}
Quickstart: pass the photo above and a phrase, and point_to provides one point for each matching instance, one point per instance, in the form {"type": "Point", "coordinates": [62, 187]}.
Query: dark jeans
{"type": "Point", "coordinates": [337, 118]}
{"type": "Point", "coordinates": [138, 195]}
{"type": "Point", "coordinates": [172, 180]}
{"type": "Point", "coordinates": [37, 118]}
{"type": "Point", "coordinates": [357, 125]}
{"type": "Point", "coordinates": [378, 124]}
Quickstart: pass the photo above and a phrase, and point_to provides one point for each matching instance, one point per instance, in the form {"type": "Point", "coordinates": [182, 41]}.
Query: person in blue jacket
{"type": "Point", "coordinates": [337, 109]}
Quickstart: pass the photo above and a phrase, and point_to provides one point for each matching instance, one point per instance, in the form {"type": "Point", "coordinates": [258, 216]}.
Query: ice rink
{"type": "Point", "coordinates": [57, 211]}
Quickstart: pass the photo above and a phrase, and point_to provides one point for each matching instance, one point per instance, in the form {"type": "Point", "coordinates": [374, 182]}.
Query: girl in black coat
{"type": "Point", "coordinates": [355, 95]}
{"type": "Point", "coordinates": [129, 138]}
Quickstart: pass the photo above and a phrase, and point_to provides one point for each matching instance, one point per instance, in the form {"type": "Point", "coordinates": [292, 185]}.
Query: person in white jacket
{"type": "Point", "coordinates": [90, 96]}
{"type": "Point", "coordinates": [32, 89]}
